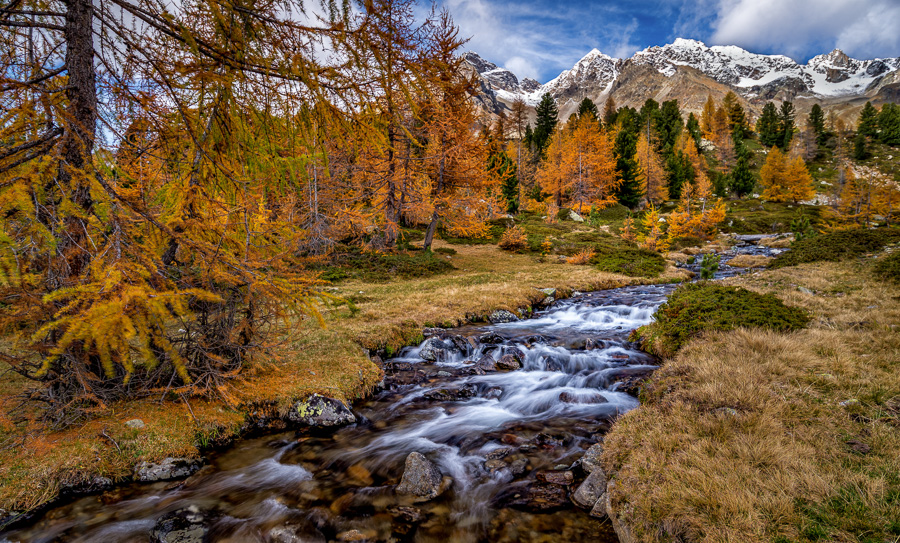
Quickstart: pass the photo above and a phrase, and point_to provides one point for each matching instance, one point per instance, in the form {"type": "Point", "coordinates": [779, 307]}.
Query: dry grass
{"type": "Point", "coordinates": [749, 261]}
{"type": "Point", "coordinates": [35, 463]}
{"type": "Point", "coordinates": [753, 436]}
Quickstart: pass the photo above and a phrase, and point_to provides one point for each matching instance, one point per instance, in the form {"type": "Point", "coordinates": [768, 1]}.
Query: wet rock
{"type": "Point", "coordinates": [518, 466]}
{"type": "Point", "coordinates": [359, 474]}
{"type": "Point", "coordinates": [502, 316]}
{"type": "Point", "coordinates": [564, 478]}
{"type": "Point", "coordinates": [600, 510]}
{"type": "Point", "coordinates": [590, 462]}
{"type": "Point", "coordinates": [136, 424]}
{"type": "Point", "coordinates": [591, 490]}
{"type": "Point", "coordinates": [169, 468]}
{"type": "Point", "coordinates": [552, 363]}
{"type": "Point", "coordinates": [421, 478]}
{"type": "Point", "coordinates": [502, 452]}
{"type": "Point", "coordinates": [435, 349]}
{"type": "Point", "coordinates": [357, 535]}
{"type": "Point", "coordinates": [546, 441]}
{"type": "Point", "coordinates": [494, 464]}
{"type": "Point", "coordinates": [491, 338]}
{"type": "Point", "coordinates": [450, 394]}
{"type": "Point", "coordinates": [404, 518]}
{"type": "Point", "coordinates": [493, 393]}
{"type": "Point", "coordinates": [187, 525]}
{"type": "Point", "coordinates": [537, 339]}
{"type": "Point", "coordinates": [293, 534]}
{"type": "Point", "coordinates": [535, 497]}
{"type": "Point", "coordinates": [85, 486]}
{"type": "Point", "coordinates": [508, 362]}
{"type": "Point", "coordinates": [318, 410]}
{"type": "Point", "coordinates": [485, 364]}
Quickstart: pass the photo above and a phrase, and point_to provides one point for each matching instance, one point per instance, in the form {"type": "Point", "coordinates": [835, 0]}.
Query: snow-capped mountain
{"type": "Point", "coordinates": [689, 67]}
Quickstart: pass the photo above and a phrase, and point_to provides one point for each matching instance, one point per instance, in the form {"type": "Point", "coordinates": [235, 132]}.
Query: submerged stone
{"type": "Point", "coordinates": [169, 468]}
{"type": "Point", "coordinates": [421, 478]}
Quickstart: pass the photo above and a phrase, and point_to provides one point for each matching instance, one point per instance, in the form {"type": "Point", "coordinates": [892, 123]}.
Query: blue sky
{"type": "Point", "coordinates": [540, 38]}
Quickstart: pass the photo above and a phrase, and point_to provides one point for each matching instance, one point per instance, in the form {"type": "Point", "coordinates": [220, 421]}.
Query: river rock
{"type": "Point", "coordinates": [421, 478]}
{"type": "Point", "coordinates": [575, 216]}
{"type": "Point", "coordinates": [318, 410]}
{"type": "Point", "coordinates": [485, 364]}
{"type": "Point", "coordinates": [493, 393]}
{"type": "Point", "coordinates": [591, 491]}
{"type": "Point", "coordinates": [451, 394]}
{"type": "Point", "coordinates": [590, 462]}
{"type": "Point", "coordinates": [508, 362]}
{"type": "Point", "coordinates": [182, 526]}
{"type": "Point", "coordinates": [357, 535]}
{"type": "Point", "coordinates": [435, 349]}
{"type": "Point", "coordinates": [404, 518]}
{"type": "Point", "coordinates": [564, 478]}
{"type": "Point", "coordinates": [490, 338]}
{"type": "Point", "coordinates": [536, 497]}
{"type": "Point", "coordinates": [502, 316]}
{"type": "Point", "coordinates": [293, 534]}
{"type": "Point", "coordinates": [169, 468]}
{"type": "Point", "coordinates": [551, 292]}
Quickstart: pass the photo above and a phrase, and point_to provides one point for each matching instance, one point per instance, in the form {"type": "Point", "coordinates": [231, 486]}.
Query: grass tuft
{"type": "Point", "coordinates": [837, 246]}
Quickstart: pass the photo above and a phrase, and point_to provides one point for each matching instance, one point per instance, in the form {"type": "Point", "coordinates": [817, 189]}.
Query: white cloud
{"type": "Point", "coordinates": [862, 28]}
{"type": "Point", "coordinates": [522, 67]}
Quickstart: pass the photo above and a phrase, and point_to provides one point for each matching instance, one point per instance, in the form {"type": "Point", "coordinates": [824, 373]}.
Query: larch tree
{"type": "Point", "coordinates": [589, 165]}
{"type": "Point", "coordinates": [708, 118]}
{"type": "Point", "coordinates": [551, 175]}
{"type": "Point", "coordinates": [785, 179]}
{"type": "Point", "coordinates": [165, 260]}
{"type": "Point", "coordinates": [652, 170]}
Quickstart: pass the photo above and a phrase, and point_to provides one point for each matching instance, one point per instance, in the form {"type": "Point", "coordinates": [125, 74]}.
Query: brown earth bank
{"type": "Point", "coordinates": [758, 436]}
{"type": "Point", "coordinates": [38, 465]}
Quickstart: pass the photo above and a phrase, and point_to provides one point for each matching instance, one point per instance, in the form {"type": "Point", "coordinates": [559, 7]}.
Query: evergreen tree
{"type": "Point", "coordinates": [889, 124]}
{"type": "Point", "coordinates": [693, 126]}
{"type": "Point", "coordinates": [629, 192]}
{"type": "Point", "coordinates": [649, 114]}
{"type": "Point", "coordinates": [767, 126]}
{"type": "Point", "coordinates": [680, 173]}
{"type": "Point", "coordinates": [868, 121]}
{"type": "Point", "coordinates": [670, 125]}
{"type": "Point", "coordinates": [741, 180]}
{"type": "Point", "coordinates": [528, 138]}
{"type": "Point", "coordinates": [860, 152]}
{"type": "Point", "coordinates": [547, 115]}
{"type": "Point", "coordinates": [737, 119]}
{"type": "Point", "coordinates": [610, 112]}
{"type": "Point", "coordinates": [786, 126]}
{"type": "Point", "coordinates": [817, 123]}
{"type": "Point", "coordinates": [587, 106]}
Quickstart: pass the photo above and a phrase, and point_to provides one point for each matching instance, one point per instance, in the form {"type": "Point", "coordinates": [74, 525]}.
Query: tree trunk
{"type": "Point", "coordinates": [432, 226]}
{"type": "Point", "coordinates": [78, 141]}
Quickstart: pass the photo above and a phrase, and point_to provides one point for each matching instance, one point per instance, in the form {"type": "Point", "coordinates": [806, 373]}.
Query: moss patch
{"type": "Point", "coordinates": [700, 307]}
{"type": "Point", "coordinates": [633, 262]}
{"type": "Point", "coordinates": [837, 246]}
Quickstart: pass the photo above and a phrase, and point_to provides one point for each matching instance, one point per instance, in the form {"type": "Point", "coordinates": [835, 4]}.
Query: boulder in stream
{"type": "Point", "coordinates": [188, 525]}
{"type": "Point", "coordinates": [318, 410]}
{"type": "Point", "coordinates": [590, 462]}
{"type": "Point", "coordinates": [592, 491]}
{"type": "Point", "coordinates": [508, 362]}
{"type": "Point", "coordinates": [451, 394]}
{"type": "Point", "coordinates": [502, 316]}
{"type": "Point", "coordinates": [169, 468]}
{"type": "Point", "coordinates": [535, 497]}
{"type": "Point", "coordinates": [421, 478]}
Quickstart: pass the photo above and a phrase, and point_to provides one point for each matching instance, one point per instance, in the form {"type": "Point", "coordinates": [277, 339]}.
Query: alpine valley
{"type": "Point", "coordinates": [690, 71]}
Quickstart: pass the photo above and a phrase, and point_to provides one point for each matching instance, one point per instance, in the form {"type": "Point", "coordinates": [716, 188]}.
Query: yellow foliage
{"type": "Point", "coordinates": [654, 238]}
{"type": "Point", "coordinates": [513, 239]}
{"type": "Point", "coordinates": [581, 258]}
{"type": "Point", "coordinates": [784, 179]}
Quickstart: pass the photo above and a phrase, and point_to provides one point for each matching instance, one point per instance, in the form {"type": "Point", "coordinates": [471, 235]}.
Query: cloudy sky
{"type": "Point", "coordinates": [540, 38]}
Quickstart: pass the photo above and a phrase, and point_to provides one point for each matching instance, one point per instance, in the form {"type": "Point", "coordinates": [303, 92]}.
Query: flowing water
{"type": "Point", "coordinates": [494, 435]}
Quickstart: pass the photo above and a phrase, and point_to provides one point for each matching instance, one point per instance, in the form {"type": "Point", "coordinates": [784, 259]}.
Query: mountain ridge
{"type": "Point", "coordinates": [831, 77]}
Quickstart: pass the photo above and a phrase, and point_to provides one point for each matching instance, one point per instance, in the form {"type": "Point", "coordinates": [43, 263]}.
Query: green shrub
{"type": "Point", "coordinates": [709, 266]}
{"type": "Point", "coordinates": [563, 214]}
{"type": "Point", "coordinates": [630, 261]}
{"type": "Point", "coordinates": [889, 267]}
{"type": "Point", "coordinates": [615, 212]}
{"type": "Point", "coordinates": [351, 263]}
{"type": "Point", "coordinates": [699, 307]}
{"type": "Point", "coordinates": [835, 246]}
